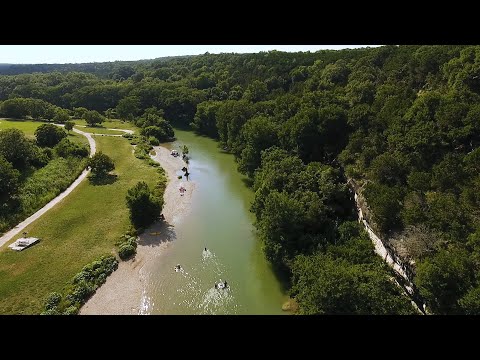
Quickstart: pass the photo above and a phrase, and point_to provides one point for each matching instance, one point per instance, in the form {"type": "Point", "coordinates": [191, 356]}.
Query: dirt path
{"type": "Point", "coordinates": [10, 234]}
{"type": "Point", "coordinates": [123, 292]}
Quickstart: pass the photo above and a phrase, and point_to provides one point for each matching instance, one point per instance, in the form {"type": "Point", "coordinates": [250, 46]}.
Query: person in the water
{"type": "Point", "coordinates": [205, 249]}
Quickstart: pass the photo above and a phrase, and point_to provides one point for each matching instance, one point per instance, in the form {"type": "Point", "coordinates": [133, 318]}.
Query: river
{"type": "Point", "coordinates": [220, 221]}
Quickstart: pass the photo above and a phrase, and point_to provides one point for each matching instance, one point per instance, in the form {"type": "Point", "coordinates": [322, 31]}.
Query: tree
{"type": "Point", "coordinates": [470, 303]}
{"type": "Point", "coordinates": [323, 285]}
{"type": "Point", "coordinates": [15, 108]}
{"type": "Point", "coordinates": [16, 148]}
{"type": "Point", "coordinates": [444, 278]}
{"type": "Point", "coordinates": [101, 164]}
{"type": "Point", "coordinates": [61, 117]}
{"type": "Point", "coordinates": [110, 113]}
{"type": "Point", "coordinates": [79, 112]}
{"type": "Point", "coordinates": [128, 108]}
{"type": "Point", "coordinates": [49, 135]}
{"type": "Point", "coordinates": [69, 125]}
{"type": "Point", "coordinates": [93, 118]}
{"type": "Point", "coordinates": [157, 132]}
{"type": "Point", "coordinates": [9, 182]}
{"type": "Point", "coordinates": [144, 207]}
{"type": "Point", "coordinates": [66, 148]}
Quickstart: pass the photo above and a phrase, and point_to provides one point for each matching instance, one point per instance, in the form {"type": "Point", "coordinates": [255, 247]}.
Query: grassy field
{"type": "Point", "coordinates": [110, 124]}
{"type": "Point", "coordinates": [29, 127]}
{"type": "Point", "coordinates": [99, 130]}
{"type": "Point", "coordinates": [81, 228]}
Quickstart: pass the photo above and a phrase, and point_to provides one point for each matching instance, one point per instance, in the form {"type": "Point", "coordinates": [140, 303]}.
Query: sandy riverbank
{"type": "Point", "coordinates": [122, 292]}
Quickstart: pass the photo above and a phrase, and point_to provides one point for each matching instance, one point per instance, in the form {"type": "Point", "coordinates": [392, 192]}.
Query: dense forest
{"type": "Point", "coordinates": [403, 122]}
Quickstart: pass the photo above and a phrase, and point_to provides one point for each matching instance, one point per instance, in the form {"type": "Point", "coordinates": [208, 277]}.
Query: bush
{"type": "Point", "coordinates": [101, 164]}
{"type": "Point", "coordinates": [126, 251]}
{"type": "Point", "coordinates": [153, 141]}
{"type": "Point", "coordinates": [49, 135]}
{"type": "Point", "coordinates": [128, 136]}
{"type": "Point", "coordinates": [53, 300]}
{"type": "Point", "coordinates": [82, 287]}
{"type": "Point", "coordinates": [51, 312]}
{"type": "Point", "coordinates": [66, 148]}
{"type": "Point", "coordinates": [46, 183]}
{"type": "Point", "coordinates": [71, 310]}
{"type": "Point", "coordinates": [144, 207]}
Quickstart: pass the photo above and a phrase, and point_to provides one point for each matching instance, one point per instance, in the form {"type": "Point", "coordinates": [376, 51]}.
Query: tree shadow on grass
{"type": "Point", "coordinates": [156, 234]}
{"type": "Point", "coordinates": [103, 180]}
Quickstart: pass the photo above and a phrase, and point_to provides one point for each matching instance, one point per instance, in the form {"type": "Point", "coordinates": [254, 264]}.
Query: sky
{"type": "Point", "coordinates": [61, 54]}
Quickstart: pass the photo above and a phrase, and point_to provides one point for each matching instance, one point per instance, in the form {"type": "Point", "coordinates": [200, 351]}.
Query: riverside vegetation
{"type": "Point", "coordinates": [403, 121]}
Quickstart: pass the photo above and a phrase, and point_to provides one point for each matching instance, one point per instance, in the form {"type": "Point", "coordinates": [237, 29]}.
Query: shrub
{"type": "Point", "coordinates": [126, 251]}
{"type": "Point", "coordinates": [101, 164]}
{"type": "Point", "coordinates": [71, 310]}
{"type": "Point", "coordinates": [66, 148]}
{"type": "Point", "coordinates": [49, 135]}
{"type": "Point", "coordinates": [144, 207]}
{"type": "Point", "coordinates": [52, 301]}
{"type": "Point", "coordinates": [153, 141]}
{"type": "Point", "coordinates": [51, 312]}
{"type": "Point", "coordinates": [82, 286]}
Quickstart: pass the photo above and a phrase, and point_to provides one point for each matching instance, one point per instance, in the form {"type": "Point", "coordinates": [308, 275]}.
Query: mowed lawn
{"type": "Point", "coordinates": [29, 127]}
{"type": "Point", "coordinates": [109, 124]}
{"type": "Point", "coordinates": [81, 228]}
{"type": "Point", "coordinates": [99, 130]}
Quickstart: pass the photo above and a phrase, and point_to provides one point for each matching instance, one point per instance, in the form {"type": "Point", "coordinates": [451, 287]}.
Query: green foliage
{"type": "Point", "coordinates": [386, 203]}
{"type": "Point", "coordinates": [69, 125]}
{"type": "Point", "coordinates": [93, 117]}
{"type": "Point", "coordinates": [61, 117]}
{"type": "Point", "coordinates": [128, 108]}
{"type": "Point", "coordinates": [101, 164]}
{"type": "Point", "coordinates": [15, 108]}
{"type": "Point", "coordinates": [327, 285]}
{"type": "Point", "coordinates": [142, 150]}
{"type": "Point", "coordinates": [49, 135]}
{"type": "Point", "coordinates": [66, 148]}
{"type": "Point", "coordinates": [403, 120]}
{"type": "Point", "coordinates": [143, 205]}
{"type": "Point", "coordinates": [81, 288]}
{"type": "Point", "coordinates": [163, 133]}
{"type": "Point", "coordinates": [470, 302]}
{"type": "Point", "coordinates": [9, 183]}
{"type": "Point", "coordinates": [444, 278]}
{"type": "Point", "coordinates": [53, 300]}
{"type": "Point", "coordinates": [79, 112]}
{"type": "Point", "coordinates": [46, 183]}
{"type": "Point", "coordinates": [17, 149]}
{"type": "Point", "coordinates": [127, 247]}
{"type": "Point", "coordinates": [153, 141]}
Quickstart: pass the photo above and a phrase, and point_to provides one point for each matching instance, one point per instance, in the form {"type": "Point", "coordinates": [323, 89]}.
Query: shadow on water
{"type": "Point", "coordinates": [157, 234]}
{"type": "Point", "coordinates": [248, 182]}
{"type": "Point", "coordinates": [108, 179]}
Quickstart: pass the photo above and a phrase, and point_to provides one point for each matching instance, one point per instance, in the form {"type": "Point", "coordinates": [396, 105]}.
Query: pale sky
{"type": "Point", "coordinates": [60, 54]}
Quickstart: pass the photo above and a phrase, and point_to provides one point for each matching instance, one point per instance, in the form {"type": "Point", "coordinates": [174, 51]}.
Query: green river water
{"type": "Point", "coordinates": [220, 221]}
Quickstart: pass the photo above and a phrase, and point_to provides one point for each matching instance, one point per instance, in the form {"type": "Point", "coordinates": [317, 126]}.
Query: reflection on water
{"type": "Point", "coordinates": [219, 220]}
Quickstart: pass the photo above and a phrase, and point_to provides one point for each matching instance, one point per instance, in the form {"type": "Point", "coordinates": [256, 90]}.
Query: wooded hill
{"type": "Point", "coordinates": [403, 121]}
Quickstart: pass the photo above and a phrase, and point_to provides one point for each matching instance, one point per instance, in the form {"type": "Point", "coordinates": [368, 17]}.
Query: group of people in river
{"type": "Point", "coordinates": [220, 285]}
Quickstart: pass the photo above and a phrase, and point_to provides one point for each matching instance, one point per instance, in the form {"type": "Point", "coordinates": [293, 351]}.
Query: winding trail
{"type": "Point", "coordinates": [93, 149]}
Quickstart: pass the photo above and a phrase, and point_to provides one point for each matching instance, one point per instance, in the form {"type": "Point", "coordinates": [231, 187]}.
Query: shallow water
{"type": "Point", "coordinates": [220, 221]}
